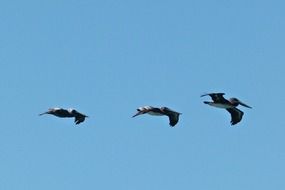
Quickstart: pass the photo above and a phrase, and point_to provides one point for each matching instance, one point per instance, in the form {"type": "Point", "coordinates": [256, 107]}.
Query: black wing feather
{"type": "Point", "coordinates": [173, 119]}
{"type": "Point", "coordinates": [217, 97]}
{"type": "Point", "coordinates": [79, 119]}
{"type": "Point", "coordinates": [236, 115]}
{"type": "Point", "coordinates": [173, 116]}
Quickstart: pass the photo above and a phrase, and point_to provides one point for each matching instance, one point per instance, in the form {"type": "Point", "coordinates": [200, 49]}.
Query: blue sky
{"type": "Point", "coordinates": [106, 58]}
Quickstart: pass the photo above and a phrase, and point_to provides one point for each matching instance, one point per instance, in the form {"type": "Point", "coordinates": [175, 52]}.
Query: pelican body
{"type": "Point", "coordinates": [63, 113]}
{"type": "Point", "coordinates": [230, 105]}
{"type": "Point", "coordinates": [163, 111]}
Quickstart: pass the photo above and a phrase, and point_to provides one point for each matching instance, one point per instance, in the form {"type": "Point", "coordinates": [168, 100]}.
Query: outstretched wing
{"type": "Point", "coordinates": [173, 119]}
{"type": "Point", "coordinates": [172, 115]}
{"type": "Point", "coordinates": [217, 97]}
{"type": "Point", "coordinates": [79, 119]}
{"type": "Point", "coordinates": [236, 115]}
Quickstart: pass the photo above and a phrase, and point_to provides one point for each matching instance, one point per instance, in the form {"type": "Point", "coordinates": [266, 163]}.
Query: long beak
{"type": "Point", "coordinates": [43, 113]}
{"type": "Point", "coordinates": [243, 104]}
{"type": "Point", "coordinates": [139, 113]}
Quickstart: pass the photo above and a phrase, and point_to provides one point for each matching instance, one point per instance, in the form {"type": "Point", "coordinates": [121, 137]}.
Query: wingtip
{"type": "Point", "coordinates": [77, 122]}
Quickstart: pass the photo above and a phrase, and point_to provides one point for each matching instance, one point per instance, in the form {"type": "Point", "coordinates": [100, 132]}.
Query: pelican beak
{"type": "Point", "coordinates": [43, 113]}
{"type": "Point", "coordinates": [243, 104]}
{"type": "Point", "coordinates": [139, 113]}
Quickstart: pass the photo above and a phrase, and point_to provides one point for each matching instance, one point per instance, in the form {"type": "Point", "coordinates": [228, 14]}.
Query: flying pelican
{"type": "Point", "coordinates": [230, 105]}
{"type": "Point", "coordinates": [60, 112]}
{"type": "Point", "coordinates": [172, 115]}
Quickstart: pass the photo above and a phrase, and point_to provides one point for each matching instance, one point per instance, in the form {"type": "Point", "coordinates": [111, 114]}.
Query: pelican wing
{"type": "Point", "coordinates": [217, 97]}
{"type": "Point", "coordinates": [172, 115]}
{"type": "Point", "coordinates": [173, 119]}
{"type": "Point", "coordinates": [236, 115]}
{"type": "Point", "coordinates": [79, 119]}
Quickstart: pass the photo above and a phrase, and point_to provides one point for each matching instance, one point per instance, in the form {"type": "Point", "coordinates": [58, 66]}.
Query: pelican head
{"type": "Point", "coordinates": [142, 110]}
{"type": "Point", "coordinates": [235, 102]}
{"type": "Point", "coordinates": [50, 111]}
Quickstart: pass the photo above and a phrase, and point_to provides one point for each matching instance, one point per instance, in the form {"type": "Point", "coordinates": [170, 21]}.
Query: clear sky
{"type": "Point", "coordinates": [108, 57]}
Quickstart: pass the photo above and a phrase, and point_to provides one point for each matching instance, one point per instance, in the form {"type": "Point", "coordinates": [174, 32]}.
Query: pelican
{"type": "Point", "coordinates": [60, 112]}
{"type": "Point", "coordinates": [230, 105]}
{"type": "Point", "coordinates": [172, 115]}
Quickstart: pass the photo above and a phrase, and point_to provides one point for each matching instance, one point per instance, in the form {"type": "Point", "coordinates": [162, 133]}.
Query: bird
{"type": "Point", "coordinates": [230, 105]}
{"type": "Point", "coordinates": [60, 112]}
{"type": "Point", "coordinates": [163, 111]}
